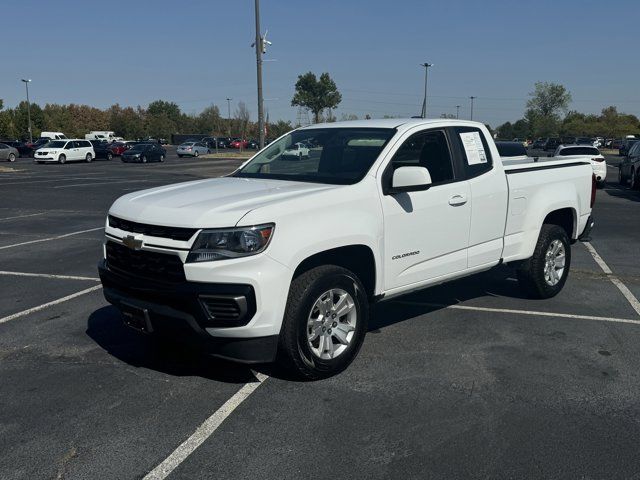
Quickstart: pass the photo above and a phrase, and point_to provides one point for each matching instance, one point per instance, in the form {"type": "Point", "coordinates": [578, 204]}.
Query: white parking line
{"type": "Point", "coordinates": [49, 304]}
{"type": "Point", "coordinates": [22, 216]}
{"type": "Point", "coordinates": [522, 312]}
{"type": "Point", "coordinates": [204, 431]}
{"type": "Point", "coordinates": [50, 238]}
{"type": "Point", "coordinates": [47, 275]}
{"type": "Point", "coordinates": [635, 304]}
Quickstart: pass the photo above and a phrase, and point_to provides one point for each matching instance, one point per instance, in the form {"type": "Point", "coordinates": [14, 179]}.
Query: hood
{"type": "Point", "coordinates": [212, 203]}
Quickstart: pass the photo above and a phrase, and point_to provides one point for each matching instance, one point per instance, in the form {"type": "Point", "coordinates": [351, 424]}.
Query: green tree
{"type": "Point", "coordinates": [274, 130]}
{"type": "Point", "coordinates": [316, 94]}
{"type": "Point", "coordinates": [548, 101]}
{"type": "Point", "coordinates": [505, 131]}
{"type": "Point", "coordinates": [21, 119]}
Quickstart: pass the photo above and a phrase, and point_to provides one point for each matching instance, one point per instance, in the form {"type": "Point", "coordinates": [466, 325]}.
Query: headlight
{"type": "Point", "coordinates": [230, 243]}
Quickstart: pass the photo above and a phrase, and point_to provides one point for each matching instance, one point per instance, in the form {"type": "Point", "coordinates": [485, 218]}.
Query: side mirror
{"type": "Point", "coordinates": [410, 179]}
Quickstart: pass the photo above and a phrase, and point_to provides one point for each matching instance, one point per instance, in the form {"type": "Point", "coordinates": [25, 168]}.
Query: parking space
{"type": "Point", "coordinates": [468, 379]}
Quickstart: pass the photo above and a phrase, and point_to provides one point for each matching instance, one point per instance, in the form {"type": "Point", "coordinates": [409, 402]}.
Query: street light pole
{"type": "Point", "coordinates": [259, 47]}
{"type": "Point", "coordinates": [426, 79]}
{"type": "Point", "coordinates": [457, 111]}
{"type": "Point", "coordinates": [26, 84]}
{"type": "Point", "coordinates": [472, 98]}
{"type": "Point", "coordinates": [229, 116]}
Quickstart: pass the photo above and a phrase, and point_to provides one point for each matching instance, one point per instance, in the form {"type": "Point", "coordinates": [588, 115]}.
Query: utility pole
{"type": "Point", "coordinates": [426, 79]}
{"type": "Point", "coordinates": [457, 111]}
{"type": "Point", "coordinates": [472, 98]}
{"type": "Point", "coordinates": [259, 47]}
{"type": "Point", "coordinates": [26, 84]}
{"type": "Point", "coordinates": [229, 116]}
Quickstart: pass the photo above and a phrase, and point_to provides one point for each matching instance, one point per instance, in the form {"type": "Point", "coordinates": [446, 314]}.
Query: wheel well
{"type": "Point", "coordinates": [357, 258]}
{"type": "Point", "coordinates": [563, 218]}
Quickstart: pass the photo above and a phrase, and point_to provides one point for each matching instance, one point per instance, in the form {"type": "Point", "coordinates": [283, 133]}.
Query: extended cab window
{"type": "Point", "coordinates": [427, 149]}
{"type": "Point", "coordinates": [476, 155]}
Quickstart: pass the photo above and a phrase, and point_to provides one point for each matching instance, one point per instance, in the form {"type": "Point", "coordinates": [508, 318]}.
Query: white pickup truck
{"type": "Point", "coordinates": [281, 259]}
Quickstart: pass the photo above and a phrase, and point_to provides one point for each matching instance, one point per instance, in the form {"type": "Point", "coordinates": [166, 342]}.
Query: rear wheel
{"type": "Point", "coordinates": [109, 156]}
{"type": "Point", "coordinates": [12, 157]}
{"type": "Point", "coordinates": [162, 158]}
{"type": "Point", "coordinates": [545, 273]}
{"type": "Point", "coordinates": [180, 156]}
{"type": "Point", "coordinates": [634, 180]}
{"type": "Point", "coordinates": [622, 180]}
{"type": "Point", "coordinates": [62, 158]}
{"type": "Point", "coordinates": [325, 322]}
{"type": "Point", "coordinates": [196, 154]}
{"type": "Point", "coordinates": [144, 159]}
{"type": "Point", "coordinates": [88, 158]}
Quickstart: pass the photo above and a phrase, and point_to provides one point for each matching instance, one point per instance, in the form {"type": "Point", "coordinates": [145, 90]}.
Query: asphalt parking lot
{"type": "Point", "coordinates": [464, 380]}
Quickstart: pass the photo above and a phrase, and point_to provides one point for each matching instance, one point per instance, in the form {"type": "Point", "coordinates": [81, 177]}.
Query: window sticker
{"type": "Point", "coordinates": [473, 148]}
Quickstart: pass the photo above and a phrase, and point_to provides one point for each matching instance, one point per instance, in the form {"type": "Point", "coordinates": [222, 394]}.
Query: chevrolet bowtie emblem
{"type": "Point", "coordinates": [132, 242]}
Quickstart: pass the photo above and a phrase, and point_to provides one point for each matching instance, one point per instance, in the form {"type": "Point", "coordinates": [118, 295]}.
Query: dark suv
{"type": "Point", "coordinates": [626, 145]}
{"type": "Point", "coordinates": [552, 143]}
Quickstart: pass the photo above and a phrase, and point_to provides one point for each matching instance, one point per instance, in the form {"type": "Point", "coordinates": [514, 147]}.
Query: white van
{"type": "Point", "coordinates": [62, 151]}
{"type": "Point", "coordinates": [53, 135]}
{"type": "Point", "coordinates": [101, 136]}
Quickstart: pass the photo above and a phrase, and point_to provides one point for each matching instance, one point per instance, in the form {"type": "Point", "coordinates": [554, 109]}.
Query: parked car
{"type": "Point", "coordinates": [399, 221]}
{"type": "Point", "coordinates": [512, 151]}
{"type": "Point", "coordinates": [239, 143]}
{"type": "Point", "coordinates": [192, 149]}
{"type": "Point", "coordinates": [253, 144]}
{"type": "Point", "coordinates": [144, 152]}
{"type": "Point", "coordinates": [101, 149]}
{"type": "Point", "coordinates": [298, 150]}
{"type": "Point", "coordinates": [118, 148]}
{"type": "Point", "coordinates": [585, 141]}
{"type": "Point", "coordinates": [8, 153]}
{"type": "Point", "coordinates": [63, 151]}
{"type": "Point", "coordinates": [551, 143]}
{"type": "Point", "coordinates": [538, 143]}
{"type": "Point", "coordinates": [24, 150]}
{"type": "Point", "coordinates": [626, 145]}
{"type": "Point", "coordinates": [617, 143]}
{"type": "Point", "coordinates": [101, 135]}
{"type": "Point", "coordinates": [575, 152]}
{"type": "Point", "coordinates": [39, 143]}
{"type": "Point", "coordinates": [567, 140]}
{"type": "Point", "coordinates": [629, 168]}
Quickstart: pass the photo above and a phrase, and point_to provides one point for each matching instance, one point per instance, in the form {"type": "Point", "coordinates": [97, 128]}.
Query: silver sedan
{"type": "Point", "coordinates": [8, 153]}
{"type": "Point", "coordinates": [193, 149]}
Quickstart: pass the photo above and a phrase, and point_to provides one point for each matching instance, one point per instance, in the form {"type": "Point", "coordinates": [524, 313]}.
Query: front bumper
{"type": "Point", "coordinates": [179, 311]}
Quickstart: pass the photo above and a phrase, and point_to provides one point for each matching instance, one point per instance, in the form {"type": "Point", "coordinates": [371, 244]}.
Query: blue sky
{"type": "Point", "coordinates": [197, 53]}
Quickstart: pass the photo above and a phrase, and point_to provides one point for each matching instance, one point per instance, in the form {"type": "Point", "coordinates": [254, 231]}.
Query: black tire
{"type": "Point", "coordinates": [531, 272]}
{"type": "Point", "coordinates": [109, 156]}
{"type": "Point", "coordinates": [196, 154]}
{"type": "Point", "coordinates": [294, 352]}
{"type": "Point", "coordinates": [179, 156]}
{"type": "Point", "coordinates": [162, 158]}
{"type": "Point", "coordinates": [88, 158]}
{"type": "Point", "coordinates": [208, 152]}
{"type": "Point", "coordinates": [12, 157]}
{"type": "Point", "coordinates": [634, 181]}
{"type": "Point", "coordinates": [143, 159]}
{"type": "Point", "coordinates": [62, 158]}
{"type": "Point", "coordinates": [622, 180]}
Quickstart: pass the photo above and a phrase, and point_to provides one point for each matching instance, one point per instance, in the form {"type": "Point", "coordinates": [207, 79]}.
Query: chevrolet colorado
{"type": "Point", "coordinates": [282, 258]}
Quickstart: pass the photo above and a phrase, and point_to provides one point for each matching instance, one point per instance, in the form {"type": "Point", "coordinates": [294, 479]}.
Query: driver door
{"type": "Point", "coordinates": [426, 232]}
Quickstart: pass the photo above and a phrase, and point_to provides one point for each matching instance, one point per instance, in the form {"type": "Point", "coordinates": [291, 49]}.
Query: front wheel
{"type": "Point", "coordinates": [144, 159]}
{"type": "Point", "coordinates": [162, 158]}
{"type": "Point", "coordinates": [545, 273]}
{"type": "Point", "coordinates": [62, 158]}
{"type": "Point", "coordinates": [325, 322]}
{"type": "Point", "coordinates": [12, 157]}
{"type": "Point", "coordinates": [196, 154]}
{"type": "Point", "coordinates": [109, 156]}
{"type": "Point", "coordinates": [622, 180]}
{"type": "Point", "coordinates": [634, 182]}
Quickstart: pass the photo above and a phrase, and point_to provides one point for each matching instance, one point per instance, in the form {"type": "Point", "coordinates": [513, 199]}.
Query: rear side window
{"type": "Point", "coordinates": [475, 151]}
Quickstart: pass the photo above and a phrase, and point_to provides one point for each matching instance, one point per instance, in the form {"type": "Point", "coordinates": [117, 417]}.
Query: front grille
{"type": "Point", "coordinates": [160, 267]}
{"type": "Point", "coordinates": [174, 233]}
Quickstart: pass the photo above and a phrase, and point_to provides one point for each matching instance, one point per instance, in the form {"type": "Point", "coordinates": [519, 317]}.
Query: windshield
{"type": "Point", "coordinates": [139, 147]}
{"type": "Point", "coordinates": [322, 155]}
{"type": "Point", "coordinates": [187, 144]}
{"type": "Point", "coordinates": [55, 144]}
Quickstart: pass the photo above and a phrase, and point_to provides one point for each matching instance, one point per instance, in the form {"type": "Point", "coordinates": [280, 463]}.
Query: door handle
{"type": "Point", "coordinates": [458, 200]}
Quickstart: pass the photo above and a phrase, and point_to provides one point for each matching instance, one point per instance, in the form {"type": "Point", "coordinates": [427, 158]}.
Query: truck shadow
{"type": "Point", "coordinates": [499, 281]}
{"type": "Point", "coordinates": [622, 192]}
{"type": "Point", "coordinates": [106, 328]}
